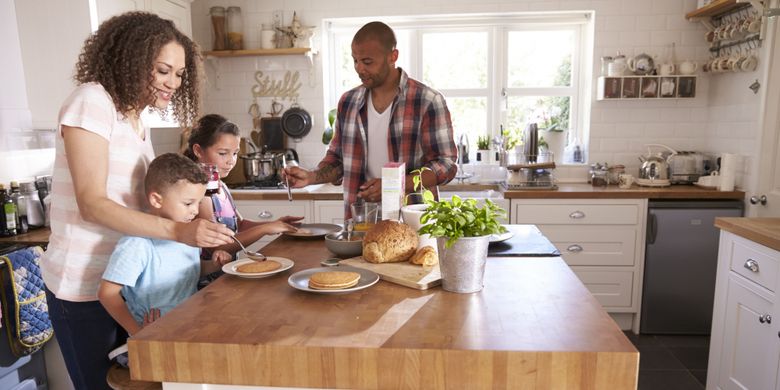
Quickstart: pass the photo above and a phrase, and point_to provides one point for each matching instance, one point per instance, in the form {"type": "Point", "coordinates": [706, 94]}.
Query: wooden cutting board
{"type": "Point", "coordinates": [403, 273]}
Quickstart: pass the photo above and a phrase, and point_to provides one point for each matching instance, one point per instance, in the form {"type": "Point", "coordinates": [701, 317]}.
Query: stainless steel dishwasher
{"type": "Point", "coordinates": [680, 262]}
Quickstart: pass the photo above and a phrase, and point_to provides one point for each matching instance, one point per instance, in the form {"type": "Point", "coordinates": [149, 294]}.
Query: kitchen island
{"type": "Point", "coordinates": [534, 325]}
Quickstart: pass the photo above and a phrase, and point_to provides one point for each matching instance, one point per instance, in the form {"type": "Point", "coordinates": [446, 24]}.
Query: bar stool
{"type": "Point", "coordinates": [118, 378]}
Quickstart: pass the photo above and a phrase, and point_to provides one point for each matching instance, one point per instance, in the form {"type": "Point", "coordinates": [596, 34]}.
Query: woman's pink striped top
{"type": "Point", "coordinates": [78, 250]}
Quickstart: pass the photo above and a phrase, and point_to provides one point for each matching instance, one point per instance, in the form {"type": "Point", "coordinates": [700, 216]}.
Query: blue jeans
{"type": "Point", "coordinates": [86, 334]}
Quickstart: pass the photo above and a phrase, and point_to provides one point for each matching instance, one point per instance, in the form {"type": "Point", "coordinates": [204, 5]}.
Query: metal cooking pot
{"type": "Point", "coordinates": [654, 165]}
{"type": "Point", "coordinates": [296, 122]}
{"type": "Point", "coordinates": [258, 166]}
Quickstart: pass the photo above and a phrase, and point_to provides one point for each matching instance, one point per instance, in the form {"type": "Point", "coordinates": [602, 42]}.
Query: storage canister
{"type": "Point", "coordinates": [235, 28]}
{"type": "Point", "coordinates": [268, 37]}
{"type": "Point", "coordinates": [219, 26]}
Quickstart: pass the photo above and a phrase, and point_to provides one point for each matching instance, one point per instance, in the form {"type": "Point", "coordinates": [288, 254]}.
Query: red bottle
{"type": "Point", "coordinates": [212, 187]}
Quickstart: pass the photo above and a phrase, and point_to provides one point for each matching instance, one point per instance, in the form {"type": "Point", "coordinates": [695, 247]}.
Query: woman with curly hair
{"type": "Point", "coordinates": [133, 61]}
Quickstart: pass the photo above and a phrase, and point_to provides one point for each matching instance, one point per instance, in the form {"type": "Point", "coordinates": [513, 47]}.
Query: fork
{"type": "Point", "coordinates": [286, 178]}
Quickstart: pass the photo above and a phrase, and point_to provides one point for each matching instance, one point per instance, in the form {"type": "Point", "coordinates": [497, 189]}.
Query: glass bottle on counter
{"type": "Point", "coordinates": [9, 214]}
{"type": "Point", "coordinates": [212, 187]}
{"type": "Point", "coordinates": [219, 27]}
{"type": "Point", "coordinates": [21, 208]}
{"type": "Point", "coordinates": [235, 29]}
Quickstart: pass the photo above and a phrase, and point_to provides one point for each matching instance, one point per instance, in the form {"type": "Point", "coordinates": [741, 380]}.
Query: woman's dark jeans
{"type": "Point", "coordinates": [86, 334]}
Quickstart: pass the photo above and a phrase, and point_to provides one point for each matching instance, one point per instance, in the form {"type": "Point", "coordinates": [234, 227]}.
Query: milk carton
{"type": "Point", "coordinates": [393, 190]}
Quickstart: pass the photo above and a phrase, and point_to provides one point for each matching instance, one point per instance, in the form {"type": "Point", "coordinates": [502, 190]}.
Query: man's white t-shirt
{"type": "Point", "coordinates": [378, 125]}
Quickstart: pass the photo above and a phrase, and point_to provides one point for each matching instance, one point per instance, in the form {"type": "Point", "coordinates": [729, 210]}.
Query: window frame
{"type": "Point", "coordinates": [498, 28]}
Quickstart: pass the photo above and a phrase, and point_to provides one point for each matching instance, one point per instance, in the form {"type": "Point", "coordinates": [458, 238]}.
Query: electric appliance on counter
{"type": "Point", "coordinates": [687, 166]}
{"type": "Point", "coordinates": [681, 256]}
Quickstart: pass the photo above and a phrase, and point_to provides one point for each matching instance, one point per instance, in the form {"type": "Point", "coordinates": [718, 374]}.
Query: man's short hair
{"type": "Point", "coordinates": [377, 31]}
{"type": "Point", "coordinates": [167, 169]}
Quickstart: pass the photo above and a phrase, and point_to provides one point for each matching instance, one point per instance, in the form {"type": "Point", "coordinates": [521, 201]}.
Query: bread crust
{"type": "Point", "coordinates": [425, 256]}
{"type": "Point", "coordinates": [389, 242]}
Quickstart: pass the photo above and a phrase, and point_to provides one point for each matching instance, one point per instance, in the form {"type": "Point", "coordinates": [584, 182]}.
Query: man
{"type": "Point", "coordinates": [390, 117]}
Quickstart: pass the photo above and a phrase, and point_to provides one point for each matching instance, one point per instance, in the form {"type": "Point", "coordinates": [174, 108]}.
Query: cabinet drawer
{"type": "Point", "coordinates": [577, 214]}
{"type": "Point", "coordinates": [596, 245]}
{"type": "Point", "coordinates": [612, 288]}
{"type": "Point", "coordinates": [748, 260]}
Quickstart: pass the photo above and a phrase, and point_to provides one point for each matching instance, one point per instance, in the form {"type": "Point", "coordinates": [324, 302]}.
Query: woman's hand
{"type": "Point", "coordinates": [288, 219]}
{"type": "Point", "coordinates": [203, 234]}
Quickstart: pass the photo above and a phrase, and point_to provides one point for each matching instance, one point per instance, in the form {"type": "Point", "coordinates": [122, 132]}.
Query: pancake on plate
{"type": "Point", "coordinates": [258, 267]}
{"type": "Point", "coordinates": [333, 280]}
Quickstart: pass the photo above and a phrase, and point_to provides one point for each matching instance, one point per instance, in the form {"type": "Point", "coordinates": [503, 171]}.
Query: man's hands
{"type": "Point", "coordinates": [298, 176]}
{"type": "Point", "coordinates": [371, 191]}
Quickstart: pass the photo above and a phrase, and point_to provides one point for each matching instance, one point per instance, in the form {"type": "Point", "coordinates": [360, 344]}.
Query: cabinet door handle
{"type": "Point", "coordinates": [574, 248]}
{"type": "Point", "coordinates": [751, 265]}
{"type": "Point", "coordinates": [765, 318]}
{"type": "Point", "coordinates": [577, 215]}
{"type": "Point", "coordinates": [265, 214]}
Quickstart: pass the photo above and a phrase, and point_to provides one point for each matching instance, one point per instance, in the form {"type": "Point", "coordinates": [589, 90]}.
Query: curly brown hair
{"type": "Point", "coordinates": [120, 56]}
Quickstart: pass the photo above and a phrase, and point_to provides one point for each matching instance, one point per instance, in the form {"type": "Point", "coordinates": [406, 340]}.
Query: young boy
{"type": "Point", "coordinates": [145, 277]}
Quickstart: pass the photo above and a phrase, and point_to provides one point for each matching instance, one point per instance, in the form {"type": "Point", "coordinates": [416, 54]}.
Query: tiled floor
{"type": "Point", "coordinates": [671, 362]}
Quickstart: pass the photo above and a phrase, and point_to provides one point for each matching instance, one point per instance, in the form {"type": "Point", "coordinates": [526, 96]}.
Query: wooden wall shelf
{"type": "Point", "coordinates": [646, 87]}
{"type": "Point", "coordinates": [257, 52]}
{"type": "Point", "coordinates": [715, 8]}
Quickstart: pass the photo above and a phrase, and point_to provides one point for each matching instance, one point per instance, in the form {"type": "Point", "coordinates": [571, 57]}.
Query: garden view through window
{"type": "Point", "coordinates": [498, 74]}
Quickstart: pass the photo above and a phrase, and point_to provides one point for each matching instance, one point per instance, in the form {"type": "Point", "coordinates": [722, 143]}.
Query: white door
{"type": "Point", "coordinates": [769, 158]}
{"type": "Point", "coordinates": [750, 346]}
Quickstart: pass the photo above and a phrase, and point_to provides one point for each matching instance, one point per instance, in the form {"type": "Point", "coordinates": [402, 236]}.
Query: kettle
{"type": "Point", "coordinates": [654, 165]}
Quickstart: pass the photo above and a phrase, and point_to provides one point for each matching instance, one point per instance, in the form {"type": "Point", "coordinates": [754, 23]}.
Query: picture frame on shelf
{"type": "Point", "coordinates": [686, 87]}
{"type": "Point", "coordinates": [649, 87]}
{"type": "Point", "coordinates": [668, 87]}
{"type": "Point", "coordinates": [612, 87]}
{"type": "Point", "coordinates": [631, 87]}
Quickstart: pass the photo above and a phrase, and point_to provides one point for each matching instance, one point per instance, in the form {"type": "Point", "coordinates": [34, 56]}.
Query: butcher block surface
{"type": "Point", "coordinates": [403, 273]}
{"type": "Point", "coordinates": [534, 326]}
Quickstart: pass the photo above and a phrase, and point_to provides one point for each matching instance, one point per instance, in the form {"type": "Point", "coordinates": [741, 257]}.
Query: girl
{"type": "Point", "coordinates": [215, 140]}
{"type": "Point", "coordinates": [133, 61]}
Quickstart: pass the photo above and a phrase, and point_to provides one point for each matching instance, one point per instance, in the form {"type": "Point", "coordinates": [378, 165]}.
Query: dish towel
{"type": "Point", "coordinates": [25, 313]}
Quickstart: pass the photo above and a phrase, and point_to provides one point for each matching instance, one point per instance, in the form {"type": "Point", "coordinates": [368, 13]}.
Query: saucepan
{"type": "Point", "coordinates": [258, 166]}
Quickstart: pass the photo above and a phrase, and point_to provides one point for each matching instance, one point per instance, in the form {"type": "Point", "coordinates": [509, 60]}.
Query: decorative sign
{"type": "Point", "coordinates": [282, 89]}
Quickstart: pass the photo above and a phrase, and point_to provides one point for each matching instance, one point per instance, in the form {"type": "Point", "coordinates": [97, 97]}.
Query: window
{"type": "Point", "coordinates": [496, 72]}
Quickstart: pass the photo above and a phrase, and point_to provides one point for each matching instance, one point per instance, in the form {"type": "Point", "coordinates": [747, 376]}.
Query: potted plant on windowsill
{"type": "Point", "coordinates": [463, 231]}
{"type": "Point", "coordinates": [483, 149]}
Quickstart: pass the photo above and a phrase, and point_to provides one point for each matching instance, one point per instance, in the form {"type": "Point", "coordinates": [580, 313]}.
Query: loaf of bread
{"type": "Point", "coordinates": [425, 256]}
{"type": "Point", "coordinates": [389, 242]}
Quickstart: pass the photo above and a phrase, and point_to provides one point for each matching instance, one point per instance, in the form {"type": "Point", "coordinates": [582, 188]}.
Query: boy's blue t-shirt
{"type": "Point", "coordinates": [155, 273]}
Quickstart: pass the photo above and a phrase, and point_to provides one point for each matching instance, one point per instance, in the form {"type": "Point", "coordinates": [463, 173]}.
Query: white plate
{"type": "Point", "coordinates": [316, 230]}
{"type": "Point", "coordinates": [231, 268]}
{"type": "Point", "coordinates": [653, 183]}
{"type": "Point", "coordinates": [501, 237]}
{"type": "Point", "coordinates": [300, 279]}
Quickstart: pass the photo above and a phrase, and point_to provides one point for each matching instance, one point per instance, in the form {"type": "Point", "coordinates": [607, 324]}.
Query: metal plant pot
{"type": "Point", "coordinates": [463, 264]}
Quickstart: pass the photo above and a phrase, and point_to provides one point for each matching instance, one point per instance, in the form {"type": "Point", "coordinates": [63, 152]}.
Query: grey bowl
{"type": "Point", "coordinates": [336, 243]}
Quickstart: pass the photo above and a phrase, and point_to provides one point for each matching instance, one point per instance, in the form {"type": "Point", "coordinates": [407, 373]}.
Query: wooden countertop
{"type": "Point", "coordinates": [587, 191]}
{"type": "Point", "coordinates": [534, 325]}
{"type": "Point", "coordinates": [38, 236]}
{"type": "Point", "coordinates": [564, 191]}
{"type": "Point", "coordinates": [765, 231]}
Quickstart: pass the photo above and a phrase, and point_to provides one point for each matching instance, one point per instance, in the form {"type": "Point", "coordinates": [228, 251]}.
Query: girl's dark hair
{"type": "Point", "coordinates": [207, 132]}
{"type": "Point", "coordinates": [120, 56]}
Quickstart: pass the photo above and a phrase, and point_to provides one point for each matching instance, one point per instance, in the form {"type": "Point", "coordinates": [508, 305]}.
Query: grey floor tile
{"type": "Point", "coordinates": [641, 339]}
{"type": "Point", "coordinates": [658, 358]}
{"type": "Point", "coordinates": [693, 358]}
{"type": "Point", "coordinates": [683, 340]}
{"type": "Point", "coordinates": [668, 380]}
{"type": "Point", "coordinates": [701, 376]}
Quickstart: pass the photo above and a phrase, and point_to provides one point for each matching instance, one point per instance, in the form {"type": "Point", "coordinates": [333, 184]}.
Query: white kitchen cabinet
{"type": "Point", "coordinates": [602, 240]}
{"type": "Point", "coordinates": [745, 343]}
{"type": "Point", "coordinates": [270, 210]}
{"type": "Point", "coordinates": [329, 211]}
{"type": "Point", "coordinates": [49, 62]}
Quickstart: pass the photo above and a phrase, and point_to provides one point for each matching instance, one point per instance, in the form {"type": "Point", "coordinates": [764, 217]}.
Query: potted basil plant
{"type": "Point", "coordinates": [463, 231]}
